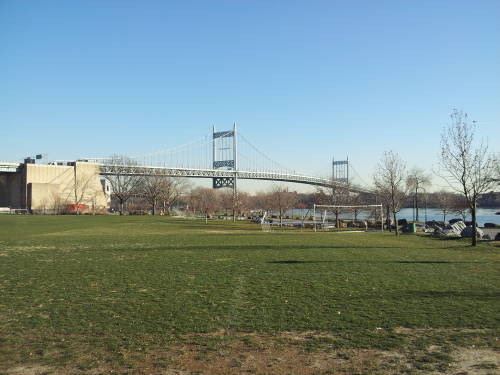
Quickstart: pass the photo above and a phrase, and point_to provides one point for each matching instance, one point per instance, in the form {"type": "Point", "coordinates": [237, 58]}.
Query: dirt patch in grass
{"type": "Point", "coordinates": [224, 352]}
{"type": "Point", "coordinates": [29, 248]}
{"type": "Point", "coordinates": [227, 231]}
{"type": "Point", "coordinates": [420, 331]}
{"type": "Point", "coordinates": [240, 358]}
{"type": "Point", "coordinates": [30, 370]}
{"type": "Point", "coordinates": [473, 361]}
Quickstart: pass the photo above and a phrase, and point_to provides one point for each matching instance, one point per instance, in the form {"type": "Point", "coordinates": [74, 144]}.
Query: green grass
{"type": "Point", "coordinates": [68, 284]}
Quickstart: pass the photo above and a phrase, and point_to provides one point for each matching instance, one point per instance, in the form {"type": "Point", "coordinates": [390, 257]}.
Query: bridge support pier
{"type": "Point", "coordinates": [224, 157]}
{"type": "Point", "coordinates": [223, 182]}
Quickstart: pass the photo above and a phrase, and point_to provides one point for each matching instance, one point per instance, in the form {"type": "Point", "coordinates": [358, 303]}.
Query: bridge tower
{"type": "Point", "coordinates": [224, 156]}
{"type": "Point", "coordinates": [340, 170]}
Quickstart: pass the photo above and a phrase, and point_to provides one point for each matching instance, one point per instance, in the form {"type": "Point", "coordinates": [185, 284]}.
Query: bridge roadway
{"type": "Point", "coordinates": [211, 173]}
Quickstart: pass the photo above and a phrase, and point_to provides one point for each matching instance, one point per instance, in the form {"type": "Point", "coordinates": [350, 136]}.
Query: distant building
{"type": "Point", "coordinates": [52, 188]}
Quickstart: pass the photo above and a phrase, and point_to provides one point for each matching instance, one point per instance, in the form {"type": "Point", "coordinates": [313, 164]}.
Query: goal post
{"type": "Point", "coordinates": [324, 208]}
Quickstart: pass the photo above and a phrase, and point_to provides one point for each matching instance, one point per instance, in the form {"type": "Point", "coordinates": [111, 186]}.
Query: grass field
{"type": "Point", "coordinates": [152, 295]}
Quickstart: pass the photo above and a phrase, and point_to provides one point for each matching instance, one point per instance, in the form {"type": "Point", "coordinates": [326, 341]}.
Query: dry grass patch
{"type": "Point", "coordinates": [255, 354]}
{"type": "Point", "coordinates": [30, 370]}
{"type": "Point", "coordinates": [472, 361]}
{"type": "Point", "coordinates": [29, 248]}
{"type": "Point", "coordinates": [225, 352]}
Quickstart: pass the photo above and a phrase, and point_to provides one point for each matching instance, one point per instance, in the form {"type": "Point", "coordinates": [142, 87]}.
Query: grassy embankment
{"type": "Point", "coordinates": [139, 294]}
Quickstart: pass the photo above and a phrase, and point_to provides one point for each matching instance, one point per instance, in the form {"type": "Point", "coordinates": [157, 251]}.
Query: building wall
{"type": "Point", "coordinates": [47, 187]}
{"type": "Point", "coordinates": [45, 197]}
{"type": "Point", "coordinates": [11, 190]}
{"type": "Point", "coordinates": [52, 185]}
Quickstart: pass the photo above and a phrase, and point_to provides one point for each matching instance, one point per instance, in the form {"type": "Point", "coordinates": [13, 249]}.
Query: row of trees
{"type": "Point", "coordinates": [466, 165]}
{"type": "Point", "coordinates": [163, 193]}
{"type": "Point", "coordinates": [207, 201]}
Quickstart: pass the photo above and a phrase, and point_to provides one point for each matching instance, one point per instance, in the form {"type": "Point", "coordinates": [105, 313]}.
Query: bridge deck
{"type": "Point", "coordinates": [212, 173]}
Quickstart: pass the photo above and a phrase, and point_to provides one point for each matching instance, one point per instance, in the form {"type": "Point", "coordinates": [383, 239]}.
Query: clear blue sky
{"type": "Point", "coordinates": [304, 80]}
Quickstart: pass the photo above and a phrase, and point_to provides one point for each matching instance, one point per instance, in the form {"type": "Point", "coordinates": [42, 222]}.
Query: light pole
{"type": "Point", "coordinates": [425, 192]}
{"type": "Point", "coordinates": [413, 208]}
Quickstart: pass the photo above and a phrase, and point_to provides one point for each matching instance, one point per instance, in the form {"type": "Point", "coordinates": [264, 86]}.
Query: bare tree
{"type": "Point", "coordinates": [460, 206]}
{"type": "Point", "coordinates": [496, 175]}
{"type": "Point", "coordinates": [467, 168]}
{"type": "Point", "coordinates": [384, 197]}
{"type": "Point", "coordinates": [58, 203]}
{"type": "Point", "coordinates": [337, 194]}
{"type": "Point", "coordinates": [151, 189]}
{"type": "Point", "coordinates": [123, 183]}
{"type": "Point", "coordinates": [321, 196]}
{"type": "Point", "coordinates": [417, 179]}
{"type": "Point", "coordinates": [161, 191]}
{"type": "Point", "coordinates": [204, 200]}
{"type": "Point", "coordinates": [444, 201]}
{"type": "Point", "coordinates": [226, 200]}
{"type": "Point", "coordinates": [259, 201]}
{"type": "Point", "coordinates": [192, 200]}
{"type": "Point", "coordinates": [389, 181]}
{"type": "Point", "coordinates": [340, 195]}
{"type": "Point", "coordinates": [356, 200]}
{"type": "Point", "coordinates": [42, 206]}
{"type": "Point", "coordinates": [281, 200]}
{"type": "Point", "coordinates": [241, 202]}
{"type": "Point", "coordinates": [173, 189]}
{"type": "Point", "coordinates": [94, 194]}
{"type": "Point", "coordinates": [81, 189]}
{"type": "Point", "coordinates": [229, 201]}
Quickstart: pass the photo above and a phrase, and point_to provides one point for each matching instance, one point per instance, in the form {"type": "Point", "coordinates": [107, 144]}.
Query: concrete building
{"type": "Point", "coordinates": [52, 188]}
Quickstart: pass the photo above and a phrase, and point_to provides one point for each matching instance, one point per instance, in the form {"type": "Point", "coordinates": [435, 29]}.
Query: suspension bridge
{"type": "Point", "coordinates": [224, 157]}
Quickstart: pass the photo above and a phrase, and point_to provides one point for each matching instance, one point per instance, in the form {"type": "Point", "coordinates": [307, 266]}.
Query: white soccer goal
{"type": "Point", "coordinates": [363, 216]}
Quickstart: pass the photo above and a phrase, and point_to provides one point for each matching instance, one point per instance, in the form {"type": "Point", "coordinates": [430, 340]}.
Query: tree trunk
{"type": "Point", "coordinates": [396, 223]}
{"type": "Point", "coordinates": [388, 219]}
{"type": "Point", "coordinates": [121, 207]}
{"type": "Point", "coordinates": [474, 224]}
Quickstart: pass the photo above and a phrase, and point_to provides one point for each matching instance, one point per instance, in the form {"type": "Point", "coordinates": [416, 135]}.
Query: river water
{"type": "Point", "coordinates": [484, 215]}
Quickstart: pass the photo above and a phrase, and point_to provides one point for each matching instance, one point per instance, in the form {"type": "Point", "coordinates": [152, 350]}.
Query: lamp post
{"type": "Point", "coordinates": [425, 192]}
{"type": "Point", "coordinates": [413, 208]}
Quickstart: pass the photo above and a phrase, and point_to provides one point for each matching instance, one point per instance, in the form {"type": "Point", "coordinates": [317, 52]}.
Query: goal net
{"type": "Point", "coordinates": [366, 217]}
